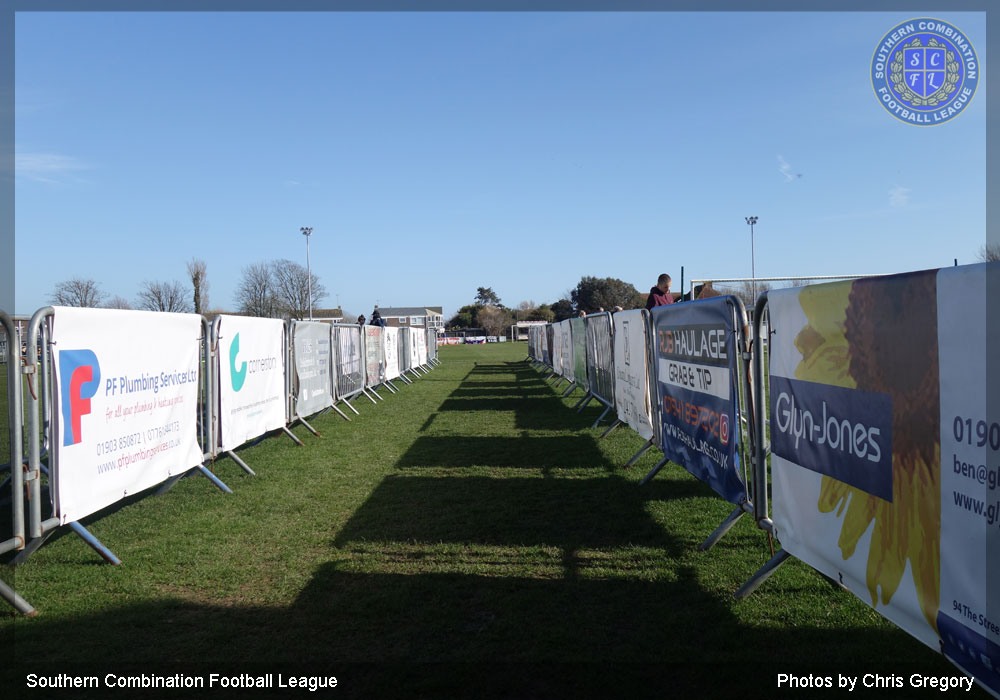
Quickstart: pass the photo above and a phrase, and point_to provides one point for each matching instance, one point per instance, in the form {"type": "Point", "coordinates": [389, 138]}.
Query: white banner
{"type": "Point", "coordinates": [421, 338]}
{"type": "Point", "coordinates": [251, 378]}
{"type": "Point", "coordinates": [412, 345]}
{"type": "Point", "coordinates": [885, 449]}
{"type": "Point", "coordinates": [390, 337]}
{"type": "Point", "coordinates": [311, 350]}
{"type": "Point", "coordinates": [631, 372]}
{"type": "Point", "coordinates": [566, 351]}
{"type": "Point", "coordinates": [557, 343]}
{"type": "Point", "coordinates": [125, 415]}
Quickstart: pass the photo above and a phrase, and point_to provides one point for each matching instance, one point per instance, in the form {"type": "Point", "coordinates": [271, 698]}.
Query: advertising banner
{"type": "Point", "coordinates": [886, 449]}
{"type": "Point", "coordinates": [374, 363]}
{"type": "Point", "coordinates": [420, 336]}
{"type": "Point", "coordinates": [413, 345]}
{"type": "Point", "coordinates": [578, 336]}
{"type": "Point", "coordinates": [126, 413]}
{"type": "Point", "coordinates": [631, 372]}
{"type": "Point", "coordinates": [251, 378]}
{"type": "Point", "coordinates": [600, 366]}
{"type": "Point", "coordinates": [390, 338]}
{"type": "Point", "coordinates": [696, 390]}
{"type": "Point", "coordinates": [313, 367]}
{"type": "Point", "coordinates": [566, 350]}
{"type": "Point", "coordinates": [432, 346]}
{"type": "Point", "coordinates": [350, 371]}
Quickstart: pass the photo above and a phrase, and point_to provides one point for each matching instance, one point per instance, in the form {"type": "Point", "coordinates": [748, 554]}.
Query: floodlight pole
{"type": "Point", "coordinates": [751, 220]}
{"type": "Point", "coordinates": [307, 232]}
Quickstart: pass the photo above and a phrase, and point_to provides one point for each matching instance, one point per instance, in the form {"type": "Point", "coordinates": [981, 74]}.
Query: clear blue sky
{"type": "Point", "coordinates": [433, 153]}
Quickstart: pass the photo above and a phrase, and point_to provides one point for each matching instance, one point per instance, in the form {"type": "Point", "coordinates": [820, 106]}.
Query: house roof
{"type": "Point", "coordinates": [400, 311]}
{"type": "Point", "coordinates": [328, 313]}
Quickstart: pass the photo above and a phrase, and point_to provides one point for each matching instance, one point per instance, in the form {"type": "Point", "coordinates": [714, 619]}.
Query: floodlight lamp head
{"type": "Point", "coordinates": [751, 220]}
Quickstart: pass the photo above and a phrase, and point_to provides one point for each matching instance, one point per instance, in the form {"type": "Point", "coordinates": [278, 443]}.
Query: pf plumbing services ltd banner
{"type": "Point", "coordinates": [126, 406]}
{"type": "Point", "coordinates": [885, 430]}
{"type": "Point", "coordinates": [696, 391]}
{"type": "Point", "coordinates": [251, 378]}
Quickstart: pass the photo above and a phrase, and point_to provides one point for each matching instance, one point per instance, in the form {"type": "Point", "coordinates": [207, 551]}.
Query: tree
{"type": "Point", "coordinates": [118, 303]}
{"type": "Point", "coordinates": [78, 292]}
{"type": "Point", "coordinates": [562, 310]}
{"type": "Point", "coordinates": [494, 320]}
{"type": "Point", "coordinates": [255, 292]}
{"type": "Point", "coordinates": [163, 296]}
{"type": "Point", "coordinates": [593, 294]}
{"type": "Point", "coordinates": [199, 282]}
{"type": "Point", "coordinates": [990, 252]}
{"type": "Point", "coordinates": [467, 317]}
{"type": "Point", "coordinates": [542, 313]}
{"type": "Point", "coordinates": [485, 296]}
{"type": "Point", "coordinates": [292, 287]}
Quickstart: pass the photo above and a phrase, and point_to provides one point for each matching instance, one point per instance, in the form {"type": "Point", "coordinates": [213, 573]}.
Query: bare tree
{"type": "Point", "coordinates": [291, 289]}
{"type": "Point", "coordinates": [78, 292]}
{"type": "Point", "coordinates": [255, 295]}
{"type": "Point", "coordinates": [118, 303]}
{"type": "Point", "coordinates": [163, 296]}
{"type": "Point", "coordinates": [990, 252]}
{"type": "Point", "coordinates": [495, 321]}
{"type": "Point", "coordinates": [197, 273]}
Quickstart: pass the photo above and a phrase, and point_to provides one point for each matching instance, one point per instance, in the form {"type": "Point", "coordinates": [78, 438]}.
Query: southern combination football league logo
{"type": "Point", "coordinates": [925, 71]}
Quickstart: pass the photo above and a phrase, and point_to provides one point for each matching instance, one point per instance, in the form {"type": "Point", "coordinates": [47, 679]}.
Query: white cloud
{"type": "Point", "coordinates": [785, 169]}
{"type": "Point", "coordinates": [46, 167]}
{"type": "Point", "coordinates": [899, 196]}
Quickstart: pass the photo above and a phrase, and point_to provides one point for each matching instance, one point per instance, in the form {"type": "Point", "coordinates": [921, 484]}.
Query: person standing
{"type": "Point", "coordinates": [660, 294]}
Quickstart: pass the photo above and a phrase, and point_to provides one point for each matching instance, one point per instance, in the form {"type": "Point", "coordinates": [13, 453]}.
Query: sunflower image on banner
{"type": "Point", "coordinates": [886, 452]}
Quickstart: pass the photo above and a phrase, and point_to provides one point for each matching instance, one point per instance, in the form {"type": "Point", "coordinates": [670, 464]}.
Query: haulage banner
{"type": "Point", "coordinates": [695, 377]}
{"type": "Point", "coordinates": [125, 415]}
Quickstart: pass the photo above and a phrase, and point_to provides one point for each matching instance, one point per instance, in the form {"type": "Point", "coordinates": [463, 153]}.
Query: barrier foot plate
{"type": "Point", "coordinates": [721, 531]}
{"type": "Point", "coordinates": [653, 472]}
{"type": "Point", "coordinates": [94, 543]}
{"type": "Point", "coordinates": [610, 429]}
{"type": "Point", "coordinates": [640, 453]}
{"type": "Point", "coordinates": [290, 434]}
{"type": "Point", "coordinates": [243, 465]}
{"type": "Point", "coordinates": [601, 417]}
{"type": "Point", "coordinates": [765, 571]}
{"type": "Point", "coordinates": [16, 601]}
{"type": "Point", "coordinates": [582, 404]}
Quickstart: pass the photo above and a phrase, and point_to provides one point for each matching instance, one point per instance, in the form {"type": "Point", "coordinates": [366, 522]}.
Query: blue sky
{"type": "Point", "coordinates": [433, 153]}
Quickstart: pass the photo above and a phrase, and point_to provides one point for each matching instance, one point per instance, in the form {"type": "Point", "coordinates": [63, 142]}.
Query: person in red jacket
{"type": "Point", "coordinates": [660, 294]}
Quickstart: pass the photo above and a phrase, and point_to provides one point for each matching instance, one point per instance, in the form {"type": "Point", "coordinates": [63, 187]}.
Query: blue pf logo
{"type": "Point", "coordinates": [924, 71]}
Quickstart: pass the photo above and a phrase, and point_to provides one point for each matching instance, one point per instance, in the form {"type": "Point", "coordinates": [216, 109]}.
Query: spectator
{"type": "Point", "coordinates": [660, 294]}
{"type": "Point", "coordinates": [361, 320]}
{"type": "Point", "coordinates": [377, 319]}
{"type": "Point", "coordinates": [582, 313]}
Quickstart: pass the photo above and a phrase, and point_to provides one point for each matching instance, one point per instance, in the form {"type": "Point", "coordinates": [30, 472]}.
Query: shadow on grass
{"type": "Point", "coordinates": [546, 453]}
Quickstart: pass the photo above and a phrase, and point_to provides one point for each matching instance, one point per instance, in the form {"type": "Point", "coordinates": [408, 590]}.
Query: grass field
{"type": "Point", "coordinates": [473, 520]}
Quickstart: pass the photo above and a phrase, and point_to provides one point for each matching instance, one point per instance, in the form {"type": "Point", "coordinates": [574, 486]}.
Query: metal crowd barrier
{"type": "Point", "coordinates": [374, 354]}
{"type": "Point", "coordinates": [600, 362]}
{"type": "Point", "coordinates": [349, 363]}
{"type": "Point", "coordinates": [14, 410]}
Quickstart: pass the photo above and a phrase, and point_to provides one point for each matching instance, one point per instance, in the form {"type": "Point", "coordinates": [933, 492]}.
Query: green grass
{"type": "Point", "coordinates": [474, 519]}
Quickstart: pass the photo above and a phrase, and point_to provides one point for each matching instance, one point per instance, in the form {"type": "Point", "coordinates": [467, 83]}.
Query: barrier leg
{"type": "Point", "coordinates": [610, 428]}
{"type": "Point", "coordinates": [32, 546]}
{"type": "Point", "coordinates": [389, 387]}
{"type": "Point", "coordinates": [377, 396]}
{"type": "Point", "coordinates": [309, 427]}
{"type": "Point", "coordinates": [16, 601]}
{"type": "Point", "coordinates": [765, 571]}
{"type": "Point", "coordinates": [606, 409]}
{"type": "Point", "coordinates": [640, 453]}
{"type": "Point", "coordinates": [341, 413]}
{"type": "Point", "coordinates": [392, 385]}
{"type": "Point", "coordinates": [405, 378]}
{"type": "Point", "coordinates": [94, 543]}
{"type": "Point", "coordinates": [721, 531]}
{"type": "Point", "coordinates": [214, 479]}
{"type": "Point", "coordinates": [582, 403]}
{"type": "Point", "coordinates": [169, 483]}
{"type": "Point", "coordinates": [290, 434]}
{"type": "Point", "coordinates": [350, 407]}
{"type": "Point", "coordinates": [243, 465]}
{"type": "Point", "coordinates": [370, 397]}
{"type": "Point", "coordinates": [653, 472]}
{"type": "Point", "coordinates": [570, 390]}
